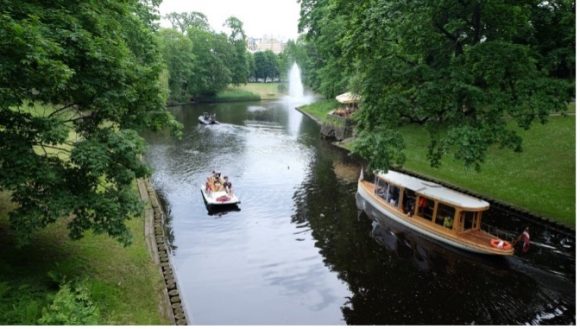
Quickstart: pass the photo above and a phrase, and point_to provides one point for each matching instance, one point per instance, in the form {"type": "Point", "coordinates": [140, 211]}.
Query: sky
{"type": "Point", "coordinates": [277, 18]}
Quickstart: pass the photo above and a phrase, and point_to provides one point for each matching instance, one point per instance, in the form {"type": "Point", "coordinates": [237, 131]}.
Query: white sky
{"type": "Point", "coordinates": [277, 18]}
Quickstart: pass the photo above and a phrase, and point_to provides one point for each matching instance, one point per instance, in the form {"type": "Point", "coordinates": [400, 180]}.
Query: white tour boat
{"type": "Point", "coordinates": [433, 210]}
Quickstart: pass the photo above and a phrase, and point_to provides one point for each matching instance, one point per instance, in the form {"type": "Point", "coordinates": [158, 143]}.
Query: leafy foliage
{"type": "Point", "coordinates": [238, 63]}
{"type": "Point", "coordinates": [94, 69]}
{"type": "Point", "coordinates": [176, 49]}
{"type": "Point", "coordinates": [462, 69]}
{"type": "Point", "coordinates": [71, 305]}
{"type": "Point", "coordinates": [185, 21]}
{"type": "Point", "coordinates": [201, 62]}
{"type": "Point", "coordinates": [266, 65]}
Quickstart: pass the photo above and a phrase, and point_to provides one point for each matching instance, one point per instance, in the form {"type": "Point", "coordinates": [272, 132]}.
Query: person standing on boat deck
{"type": "Point", "coordinates": [525, 238]}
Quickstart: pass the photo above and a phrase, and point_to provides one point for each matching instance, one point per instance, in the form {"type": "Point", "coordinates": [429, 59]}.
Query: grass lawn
{"type": "Point", "coordinates": [541, 179]}
{"type": "Point", "coordinates": [264, 90]}
{"type": "Point", "coordinates": [234, 95]}
{"type": "Point", "coordinates": [247, 93]}
{"type": "Point", "coordinates": [321, 108]}
{"type": "Point", "coordinates": [124, 283]}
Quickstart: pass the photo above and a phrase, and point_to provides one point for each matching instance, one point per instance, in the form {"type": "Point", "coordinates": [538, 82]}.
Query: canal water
{"type": "Point", "coordinates": [303, 250]}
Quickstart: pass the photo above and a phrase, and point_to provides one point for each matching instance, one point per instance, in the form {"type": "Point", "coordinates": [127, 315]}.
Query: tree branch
{"type": "Point", "coordinates": [54, 147]}
{"type": "Point", "coordinates": [61, 109]}
{"type": "Point", "coordinates": [451, 37]}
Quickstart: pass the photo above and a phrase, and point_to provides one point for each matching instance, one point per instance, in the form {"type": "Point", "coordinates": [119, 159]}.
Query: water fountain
{"type": "Point", "coordinates": [295, 87]}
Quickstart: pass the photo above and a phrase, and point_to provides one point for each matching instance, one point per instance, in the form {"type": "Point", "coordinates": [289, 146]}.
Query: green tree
{"type": "Point", "coordinates": [177, 51]}
{"type": "Point", "coordinates": [272, 67]}
{"type": "Point", "coordinates": [554, 37]}
{"type": "Point", "coordinates": [266, 65]}
{"type": "Point", "coordinates": [261, 66]}
{"type": "Point", "coordinates": [96, 68]}
{"type": "Point", "coordinates": [462, 69]}
{"type": "Point", "coordinates": [251, 67]}
{"type": "Point", "coordinates": [327, 70]}
{"type": "Point", "coordinates": [187, 20]}
{"type": "Point", "coordinates": [211, 72]}
{"type": "Point", "coordinates": [239, 62]}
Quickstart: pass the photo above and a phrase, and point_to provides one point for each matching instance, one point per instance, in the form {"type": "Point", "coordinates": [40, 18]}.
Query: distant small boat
{"type": "Point", "coordinates": [434, 211]}
{"type": "Point", "coordinates": [207, 119]}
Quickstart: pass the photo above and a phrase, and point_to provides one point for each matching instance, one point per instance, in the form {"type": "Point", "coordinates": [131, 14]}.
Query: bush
{"type": "Point", "coordinates": [71, 305]}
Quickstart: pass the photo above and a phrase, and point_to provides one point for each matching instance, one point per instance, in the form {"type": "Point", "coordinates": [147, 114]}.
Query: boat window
{"type": "Point", "coordinates": [425, 208]}
{"type": "Point", "coordinates": [445, 215]}
{"type": "Point", "coordinates": [469, 220]}
{"type": "Point", "coordinates": [393, 195]}
{"type": "Point", "coordinates": [409, 198]}
{"type": "Point", "coordinates": [381, 188]}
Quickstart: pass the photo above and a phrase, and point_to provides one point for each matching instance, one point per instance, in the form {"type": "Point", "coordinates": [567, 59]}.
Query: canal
{"type": "Point", "coordinates": [300, 251]}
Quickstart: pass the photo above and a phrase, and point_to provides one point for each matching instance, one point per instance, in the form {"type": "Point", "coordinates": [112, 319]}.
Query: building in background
{"type": "Point", "coordinates": [266, 43]}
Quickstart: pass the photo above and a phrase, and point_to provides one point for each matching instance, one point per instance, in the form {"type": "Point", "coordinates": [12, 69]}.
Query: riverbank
{"type": "Point", "coordinates": [247, 93]}
{"type": "Point", "coordinates": [123, 285]}
{"type": "Point", "coordinates": [541, 179]}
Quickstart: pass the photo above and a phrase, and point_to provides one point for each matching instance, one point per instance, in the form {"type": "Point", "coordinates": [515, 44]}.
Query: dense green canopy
{"type": "Point", "coordinates": [463, 69]}
{"type": "Point", "coordinates": [200, 61]}
{"type": "Point", "coordinates": [76, 80]}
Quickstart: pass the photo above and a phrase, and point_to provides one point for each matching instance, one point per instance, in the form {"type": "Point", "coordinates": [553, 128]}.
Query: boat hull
{"type": "Point", "coordinates": [402, 219]}
{"type": "Point", "coordinates": [219, 198]}
{"type": "Point", "coordinates": [206, 122]}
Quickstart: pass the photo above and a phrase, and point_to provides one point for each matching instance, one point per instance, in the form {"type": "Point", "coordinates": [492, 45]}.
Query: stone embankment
{"type": "Point", "coordinates": [158, 249]}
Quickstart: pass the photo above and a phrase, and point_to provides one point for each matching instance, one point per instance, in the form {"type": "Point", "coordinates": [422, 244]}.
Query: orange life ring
{"type": "Point", "coordinates": [500, 244]}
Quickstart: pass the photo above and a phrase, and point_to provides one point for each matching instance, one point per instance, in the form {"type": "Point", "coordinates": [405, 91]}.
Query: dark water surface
{"type": "Point", "coordinates": [300, 251]}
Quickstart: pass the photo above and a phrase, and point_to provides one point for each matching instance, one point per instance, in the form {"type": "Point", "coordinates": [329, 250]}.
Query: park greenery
{"type": "Point", "coordinates": [79, 80]}
{"type": "Point", "coordinates": [76, 82]}
{"type": "Point", "coordinates": [204, 65]}
{"type": "Point", "coordinates": [466, 71]}
{"type": "Point", "coordinates": [451, 86]}
{"type": "Point", "coordinates": [547, 166]}
{"type": "Point", "coordinates": [94, 280]}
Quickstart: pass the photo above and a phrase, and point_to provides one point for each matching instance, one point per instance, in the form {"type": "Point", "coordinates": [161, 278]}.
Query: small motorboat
{"type": "Point", "coordinates": [207, 119]}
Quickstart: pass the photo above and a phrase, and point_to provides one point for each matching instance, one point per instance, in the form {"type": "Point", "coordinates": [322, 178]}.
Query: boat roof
{"type": "Point", "coordinates": [434, 190]}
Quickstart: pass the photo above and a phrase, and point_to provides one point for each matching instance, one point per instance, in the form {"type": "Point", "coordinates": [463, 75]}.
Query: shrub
{"type": "Point", "coordinates": [71, 305]}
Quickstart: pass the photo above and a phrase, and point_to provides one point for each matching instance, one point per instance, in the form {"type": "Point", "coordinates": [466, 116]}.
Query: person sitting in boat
{"type": "Point", "coordinates": [227, 185]}
{"type": "Point", "coordinates": [447, 222]}
{"type": "Point", "coordinates": [218, 177]}
{"type": "Point", "coordinates": [212, 117]}
{"type": "Point", "coordinates": [205, 116]}
{"type": "Point", "coordinates": [217, 185]}
{"type": "Point", "coordinates": [410, 207]}
{"type": "Point", "coordinates": [209, 184]}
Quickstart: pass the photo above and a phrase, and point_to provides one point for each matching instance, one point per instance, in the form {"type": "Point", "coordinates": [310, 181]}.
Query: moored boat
{"type": "Point", "coordinates": [433, 210]}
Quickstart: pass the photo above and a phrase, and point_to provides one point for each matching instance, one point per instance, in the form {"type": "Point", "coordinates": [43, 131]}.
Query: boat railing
{"type": "Point", "coordinates": [493, 230]}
